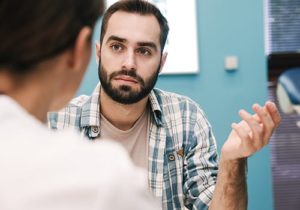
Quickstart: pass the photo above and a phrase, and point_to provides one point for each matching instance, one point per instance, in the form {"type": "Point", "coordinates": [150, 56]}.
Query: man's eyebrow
{"type": "Point", "coordinates": [141, 44]}
{"type": "Point", "coordinates": [115, 38]}
{"type": "Point", "coordinates": [148, 44]}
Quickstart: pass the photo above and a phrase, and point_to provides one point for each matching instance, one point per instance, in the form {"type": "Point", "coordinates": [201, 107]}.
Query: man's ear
{"type": "Point", "coordinates": [98, 51]}
{"type": "Point", "coordinates": [81, 53]}
{"type": "Point", "coordinates": [163, 60]}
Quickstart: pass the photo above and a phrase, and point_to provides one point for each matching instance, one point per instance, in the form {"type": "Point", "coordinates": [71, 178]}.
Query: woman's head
{"type": "Point", "coordinates": [45, 48]}
{"type": "Point", "coordinates": [32, 31]}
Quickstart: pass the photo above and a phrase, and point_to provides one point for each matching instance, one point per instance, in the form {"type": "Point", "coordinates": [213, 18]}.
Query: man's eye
{"type": "Point", "coordinates": [116, 47]}
{"type": "Point", "coordinates": [144, 51]}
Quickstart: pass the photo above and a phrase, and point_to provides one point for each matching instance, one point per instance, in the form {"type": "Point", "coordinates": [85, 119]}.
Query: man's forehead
{"type": "Point", "coordinates": [133, 15]}
{"type": "Point", "coordinates": [133, 26]}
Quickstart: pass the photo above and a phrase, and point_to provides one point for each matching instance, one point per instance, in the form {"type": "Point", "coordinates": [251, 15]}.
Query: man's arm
{"type": "Point", "coordinates": [247, 137]}
{"type": "Point", "coordinates": [231, 188]}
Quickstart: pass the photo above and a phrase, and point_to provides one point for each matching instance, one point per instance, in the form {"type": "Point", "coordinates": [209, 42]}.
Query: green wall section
{"type": "Point", "coordinates": [231, 27]}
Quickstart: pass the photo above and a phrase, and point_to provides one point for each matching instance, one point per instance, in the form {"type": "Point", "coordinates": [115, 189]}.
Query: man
{"type": "Point", "coordinates": [165, 133]}
{"type": "Point", "coordinates": [44, 51]}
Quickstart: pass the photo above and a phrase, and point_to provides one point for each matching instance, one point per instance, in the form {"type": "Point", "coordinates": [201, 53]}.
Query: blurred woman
{"type": "Point", "coordinates": [44, 51]}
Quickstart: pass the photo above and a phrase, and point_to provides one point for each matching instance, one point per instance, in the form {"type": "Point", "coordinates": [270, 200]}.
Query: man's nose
{"type": "Point", "coordinates": [129, 61]}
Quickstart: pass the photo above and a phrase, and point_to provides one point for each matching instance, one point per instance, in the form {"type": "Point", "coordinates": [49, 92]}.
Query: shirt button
{"type": "Point", "coordinates": [95, 129]}
{"type": "Point", "coordinates": [171, 157]}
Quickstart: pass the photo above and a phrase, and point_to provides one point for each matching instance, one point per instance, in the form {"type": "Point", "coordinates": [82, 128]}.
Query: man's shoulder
{"type": "Point", "coordinates": [70, 115]}
{"type": "Point", "coordinates": [166, 98]}
{"type": "Point", "coordinates": [79, 101]}
{"type": "Point", "coordinates": [176, 107]}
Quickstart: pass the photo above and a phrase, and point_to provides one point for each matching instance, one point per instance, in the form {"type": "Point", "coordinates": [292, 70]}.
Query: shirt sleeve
{"type": "Point", "coordinates": [201, 165]}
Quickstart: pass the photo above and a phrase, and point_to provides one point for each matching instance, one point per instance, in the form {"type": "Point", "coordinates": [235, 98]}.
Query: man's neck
{"type": "Point", "coordinates": [122, 116]}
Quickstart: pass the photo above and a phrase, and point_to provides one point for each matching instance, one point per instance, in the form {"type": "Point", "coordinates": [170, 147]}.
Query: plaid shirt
{"type": "Point", "coordinates": [182, 161]}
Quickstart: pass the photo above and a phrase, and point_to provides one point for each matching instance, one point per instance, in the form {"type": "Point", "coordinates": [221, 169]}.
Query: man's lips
{"type": "Point", "coordinates": [126, 79]}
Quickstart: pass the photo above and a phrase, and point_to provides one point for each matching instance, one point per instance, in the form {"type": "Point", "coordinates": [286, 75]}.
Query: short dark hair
{"type": "Point", "coordinates": [32, 31]}
{"type": "Point", "coordinates": [141, 7]}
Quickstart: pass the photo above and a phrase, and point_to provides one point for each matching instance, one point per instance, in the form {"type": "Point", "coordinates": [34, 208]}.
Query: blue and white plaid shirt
{"type": "Point", "coordinates": [182, 161]}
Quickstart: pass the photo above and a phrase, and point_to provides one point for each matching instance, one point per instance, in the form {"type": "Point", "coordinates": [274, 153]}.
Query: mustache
{"type": "Point", "coordinates": [130, 73]}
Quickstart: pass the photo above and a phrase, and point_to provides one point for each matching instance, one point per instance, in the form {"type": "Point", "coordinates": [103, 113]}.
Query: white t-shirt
{"type": "Point", "coordinates": [42, 169]}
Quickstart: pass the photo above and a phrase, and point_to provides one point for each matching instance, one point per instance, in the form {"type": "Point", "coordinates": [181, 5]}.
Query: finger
{"type": "Point", "coordinates": [243, 124]}
{"type": "Point", "coordinates": [274, 112]}
{"type": "Point", "coordinates": [256, 128]}
{"type": "Point", "coordinates": [266, 120]}
{"type": "Point", "coordinates": [256, 117]}
{"type": "Point", "coordinates": [243, 131]}
{"type": "Point", "coordinates": [246, 140]}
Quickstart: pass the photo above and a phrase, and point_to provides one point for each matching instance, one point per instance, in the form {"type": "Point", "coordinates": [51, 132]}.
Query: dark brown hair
{"type": "Point", "coordinates": [141, 7]}
{"type": "Point", "coordinates": [32, 31]}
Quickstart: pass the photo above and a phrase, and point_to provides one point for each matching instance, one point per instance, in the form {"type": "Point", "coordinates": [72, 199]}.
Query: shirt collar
{"type": "Point", "coordinates": [90, 110]}
{"type": "Point", "coordinates": [156, 107]}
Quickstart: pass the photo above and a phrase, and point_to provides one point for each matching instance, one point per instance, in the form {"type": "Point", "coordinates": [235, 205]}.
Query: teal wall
{"type": "Point", "coordinates": [231, 27]}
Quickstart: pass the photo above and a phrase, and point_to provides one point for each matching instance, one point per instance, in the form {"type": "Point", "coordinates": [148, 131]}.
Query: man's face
{"type": "Point", "coordinates": [130, 57]}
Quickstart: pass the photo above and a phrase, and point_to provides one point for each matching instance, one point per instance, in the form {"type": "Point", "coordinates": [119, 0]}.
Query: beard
{"type": "Point", "coordinates": [125, 94]}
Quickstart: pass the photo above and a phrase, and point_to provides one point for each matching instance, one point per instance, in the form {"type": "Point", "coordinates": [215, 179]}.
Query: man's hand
{"type": "Point", "coordinates": [247, 137]}
{"type": "Point", "coordinates": [252, 133]}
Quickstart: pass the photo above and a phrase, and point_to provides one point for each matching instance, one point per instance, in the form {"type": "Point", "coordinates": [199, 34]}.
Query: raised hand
{"type": "Point", "coordinates": [252, 133]}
